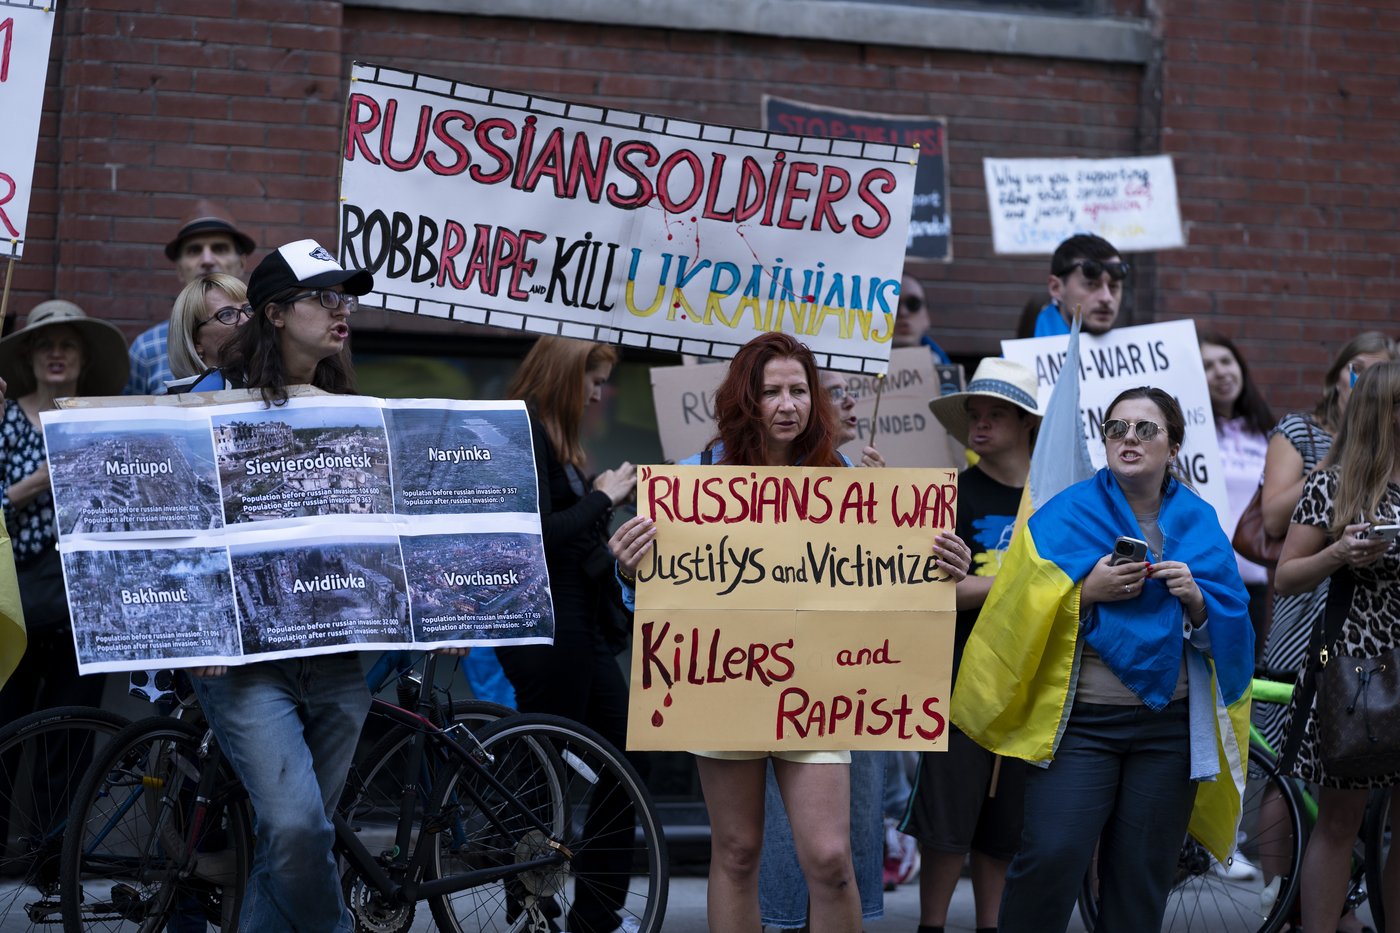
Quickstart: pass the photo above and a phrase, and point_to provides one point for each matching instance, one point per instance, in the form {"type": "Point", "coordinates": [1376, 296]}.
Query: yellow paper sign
{"type": "Point", "coordinates": [793, 609]}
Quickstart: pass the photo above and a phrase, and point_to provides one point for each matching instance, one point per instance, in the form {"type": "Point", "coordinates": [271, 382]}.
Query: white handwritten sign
{"type": "Point", "coordinates": [1166, 356]}
{"type": "Point", "coordinates": [1038, 203]}
{"type": "Point", "coordinates": [26, 29]}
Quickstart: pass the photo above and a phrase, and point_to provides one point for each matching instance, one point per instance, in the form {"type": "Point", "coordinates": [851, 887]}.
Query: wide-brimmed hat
{"type": "Point", "coordinates": [304, 264]}
{"type": "Point", "coordinates": [210, 218]}
{"type": "Point", "coordinates": [105, 363]}
{"type": "Point", "coordinates": [995, 378]}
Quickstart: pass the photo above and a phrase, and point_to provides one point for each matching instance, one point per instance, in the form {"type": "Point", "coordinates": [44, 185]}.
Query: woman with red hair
{"type": "Point", "coordinates": [765, 416]}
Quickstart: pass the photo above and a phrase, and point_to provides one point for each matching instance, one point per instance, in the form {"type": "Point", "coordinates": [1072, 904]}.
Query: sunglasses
{"type": "Point", "coordinates": [330, 300]}
{"type": "Point", "coordinates": [1117, 429]}
{"type": "Point", "coordinates": [1094, 269]}
{"type": "Point", "coordinates": [228, 314]}
{"type": "Point", "coordinates": [911, 303]}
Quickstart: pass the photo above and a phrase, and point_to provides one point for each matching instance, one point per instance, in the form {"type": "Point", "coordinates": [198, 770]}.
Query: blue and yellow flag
{"type": "Point", "coordinates": [13, 639]}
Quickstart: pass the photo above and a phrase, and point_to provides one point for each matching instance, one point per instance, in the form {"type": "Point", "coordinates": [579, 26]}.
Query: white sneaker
{"type": "Point", "coordinates": [1239, 869]}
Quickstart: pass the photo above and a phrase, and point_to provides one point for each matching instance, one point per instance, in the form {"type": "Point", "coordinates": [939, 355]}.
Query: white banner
{"type": "Point", "coordinates": [500, 208]}
{"type": "Point", "coordinates": [1038, 203]}
{"type": "Point", "coordinates": [234, 533]}
{"type": "Point", "coordinates": [26, 30]}
{"type": "Point", "coordinates": [1166, 356]}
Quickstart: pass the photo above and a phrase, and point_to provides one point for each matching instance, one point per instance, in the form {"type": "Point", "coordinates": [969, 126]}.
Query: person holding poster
{"type": "Point", "coordinates": [1115, 609]}
{"type": "Point", "coordinates": [765, 416]}
{"type": "Point", "coordinates": [289, 727]}
{"type": "Point", "coordinates": [966, 800]}
{"type": "Point", "coordinates": [1086, 272]}
{"type": "Point", "coordinates": [577, 676]}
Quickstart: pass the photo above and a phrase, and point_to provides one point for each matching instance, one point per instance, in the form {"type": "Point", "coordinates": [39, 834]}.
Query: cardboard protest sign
{"type": "Point", "coordinates": [236, 532]}
{"type": "Point", "coordinates": [930, 226]}
{"type": "Point", "coordinates": [26, 31]}
{"type": "Point", "coordinates": [535, 214]}
{"type": "Point", "coordinates": [906, 433]}
{"type": "Point", "coordinates": [785, 608]}
{"type": "Point", "coordinates": [1038, 203]}
{"type": "Point", "coordinates": [1163, 355]}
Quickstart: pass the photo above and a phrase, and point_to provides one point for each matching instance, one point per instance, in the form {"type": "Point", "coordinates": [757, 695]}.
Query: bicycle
{"type": "Point", "coordinates": [35, 751]}
{"type": "Point", "coordinates": [497, 827]}
{"type": "Point", "coordinates": [1276, 812]}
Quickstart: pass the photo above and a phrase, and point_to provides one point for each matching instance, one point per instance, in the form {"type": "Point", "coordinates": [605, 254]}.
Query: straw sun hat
{"type": "Point", "coordinates": [105, 363]}
{"type": "Point", "coordinates": [995, 378]}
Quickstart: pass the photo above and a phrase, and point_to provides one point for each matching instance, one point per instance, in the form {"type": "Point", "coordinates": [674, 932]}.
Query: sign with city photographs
{"type": "Point", "coordinates": [232, 533]}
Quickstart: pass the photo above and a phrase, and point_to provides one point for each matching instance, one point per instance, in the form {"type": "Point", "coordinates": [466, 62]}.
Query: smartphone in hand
{"type": "Point", "coordinates": [1128, 551]}
{"type": "Point", "coordinates": [1382, 532]}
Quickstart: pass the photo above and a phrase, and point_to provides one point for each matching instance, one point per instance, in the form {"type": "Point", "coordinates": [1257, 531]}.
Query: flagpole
{"type": "Point", "coordinates": [5, 298]}
{"type": "Point", "coordinates": [875, 415]}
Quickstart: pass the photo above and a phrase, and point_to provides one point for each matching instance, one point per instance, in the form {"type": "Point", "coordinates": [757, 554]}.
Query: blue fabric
{"type": "Point", "coordinates": [150, 361]}
{"type": "Point", "coordinates": [935, 349]}
{"type": "Point", "coordinates": [289, 729]}
{"type": "Point", "coordinates": [487, 680]}
{"type": "Point", "coordinates": [1061, 455]}
{"type": "Point", "coordinates": [1140, 639]}
{"type": "Point", "coordinates": [1050, 323]}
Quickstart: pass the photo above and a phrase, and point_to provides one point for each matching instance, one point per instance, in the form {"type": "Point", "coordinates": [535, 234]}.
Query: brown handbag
{"type": "Point", "coordinates": [1251, 541]}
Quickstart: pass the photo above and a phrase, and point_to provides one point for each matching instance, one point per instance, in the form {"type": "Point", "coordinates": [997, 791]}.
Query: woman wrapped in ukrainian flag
{"type": "Point", "coordinates": [1127, 681]}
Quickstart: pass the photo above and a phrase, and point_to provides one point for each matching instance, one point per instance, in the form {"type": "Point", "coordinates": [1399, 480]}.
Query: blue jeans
{"type": "Point", "coordinates": [289, 730]}
{"type": "Point", "coordinates": [782, 891]}
{"type": "Point", "coordinates": [1121, 773]}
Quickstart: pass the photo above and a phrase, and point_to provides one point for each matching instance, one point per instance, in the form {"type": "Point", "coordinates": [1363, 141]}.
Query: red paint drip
{"type": "Point", "coordinates": [667, 702]}
{"type": "Point", "coordinates": [656, 719]}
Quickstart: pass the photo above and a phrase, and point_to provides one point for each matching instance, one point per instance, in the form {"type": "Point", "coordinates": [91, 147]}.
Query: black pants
{"type": "Point", "coordinates": [578, 677]}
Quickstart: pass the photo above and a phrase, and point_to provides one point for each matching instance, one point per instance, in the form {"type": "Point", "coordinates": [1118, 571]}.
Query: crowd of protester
{"type": "Point", "coordinates": [1151, 649]}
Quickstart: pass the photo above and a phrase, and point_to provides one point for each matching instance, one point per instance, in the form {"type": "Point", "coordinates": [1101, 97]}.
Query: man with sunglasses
{"type": "Point", "coordinates": [1086, 272]}
{"type": "Point", "coordinates": [208, 242]}
{"type": "Point", "coordinates": [911, 329]}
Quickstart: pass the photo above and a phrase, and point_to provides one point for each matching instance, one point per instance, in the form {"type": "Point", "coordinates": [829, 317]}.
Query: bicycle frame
{"type": "Point", "coordinates": [412, 890]}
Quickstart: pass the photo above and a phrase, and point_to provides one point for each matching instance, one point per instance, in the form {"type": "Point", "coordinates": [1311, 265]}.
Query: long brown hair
{"type": "Point", "coordinates": [1175, 422]}
{"type": "Point", "coordinates": [1328, 411]}
{"type": "Point", "coordinates": [255, 353]}
{"type": "Point", "coordinates": [737, 403]}
{"type": "Point", "coordinates": [550, 381]}
{"type": "Point", "coordinates": [1364, 454]}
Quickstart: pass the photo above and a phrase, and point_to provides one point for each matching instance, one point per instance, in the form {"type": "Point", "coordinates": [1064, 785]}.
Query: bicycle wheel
{"type": "Point", "coordinates": [596, 815]}
{"type": "Point", "coordinates": [373, 799]}
{"type": "Point", "coordinates": [42, 758]}
{"type": "Point", "coordinates": [149, 842]}
{"type": "Point", "coordinates": [1255, 894]}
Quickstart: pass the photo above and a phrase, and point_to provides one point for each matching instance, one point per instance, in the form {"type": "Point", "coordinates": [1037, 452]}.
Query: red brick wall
{"type": "Point", "coordinates": [1284, 119]}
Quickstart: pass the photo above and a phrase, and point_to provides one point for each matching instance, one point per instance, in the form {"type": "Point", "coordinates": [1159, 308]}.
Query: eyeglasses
{"type": "Point", "coordinates": [1093, 269]}
{"type": "Point", "coordinates": [838, 393]}
{"type": "Point", "coordinates": [228, 314]}
{"type": "Point", "coordinates": [911, 303]}
{"type": "Point", "coordinates": [330, 300]}
{"type": "Point", "coordinates": [1117, 429]}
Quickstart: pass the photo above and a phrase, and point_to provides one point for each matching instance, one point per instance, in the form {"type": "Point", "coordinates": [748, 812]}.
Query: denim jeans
{"type": "Point", "coordinates": [782, 891]}
{"type": "Point", "coordinates": [1121, 777]}
{"type": "Point", "coordinates": [289, 730]}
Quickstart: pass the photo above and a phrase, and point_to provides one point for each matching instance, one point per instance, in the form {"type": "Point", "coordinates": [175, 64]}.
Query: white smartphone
{"type": "Point", "coordinates": [1386, 532]}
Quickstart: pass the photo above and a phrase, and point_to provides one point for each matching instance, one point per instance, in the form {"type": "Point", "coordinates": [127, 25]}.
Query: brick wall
{"type": "Point", "coordinates": [1282, 119]}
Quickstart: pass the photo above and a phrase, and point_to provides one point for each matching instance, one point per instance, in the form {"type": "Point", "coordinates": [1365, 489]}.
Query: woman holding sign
{"type": "Point", "coordinates": [289, 726]}
{"type": "Point", "coordinates": [1117, 624]}
{"type": "Point", "coordinates": [765, 415]}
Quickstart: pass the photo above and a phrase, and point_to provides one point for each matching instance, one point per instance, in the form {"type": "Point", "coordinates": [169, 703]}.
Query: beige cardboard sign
{"type": "Point", "coordinates": [905, 431]}
{"type": "Point", "coordinates": [790, 608]}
